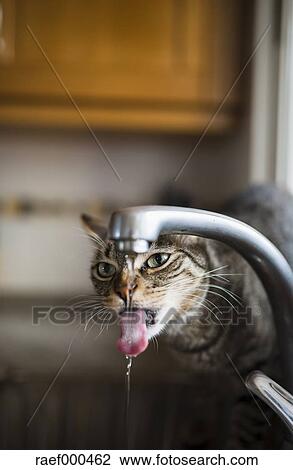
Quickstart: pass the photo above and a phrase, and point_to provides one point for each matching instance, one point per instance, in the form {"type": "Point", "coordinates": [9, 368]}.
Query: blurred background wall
{"type": "Point", "coordinates": [67, 166]}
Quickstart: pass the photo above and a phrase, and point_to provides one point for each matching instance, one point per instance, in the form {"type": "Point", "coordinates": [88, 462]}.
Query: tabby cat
{"type": "Point", "coordinates": [210, 305]}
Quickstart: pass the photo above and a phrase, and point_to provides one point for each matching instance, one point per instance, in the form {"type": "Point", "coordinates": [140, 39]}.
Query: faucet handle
{"type": "Point", "coordinates": [279, 399]}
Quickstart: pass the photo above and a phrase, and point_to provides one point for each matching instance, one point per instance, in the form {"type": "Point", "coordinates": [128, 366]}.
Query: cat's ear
{"type": "Point", "coordinates": [93, 226]}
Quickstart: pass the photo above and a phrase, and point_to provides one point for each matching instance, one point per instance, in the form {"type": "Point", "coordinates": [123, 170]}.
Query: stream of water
{"type": "Point", "coordinates": [129, 360]}
{"type": "Point", "coordinates": [130, 259]}
{"type": "Point", "coordinates": [131, 285]}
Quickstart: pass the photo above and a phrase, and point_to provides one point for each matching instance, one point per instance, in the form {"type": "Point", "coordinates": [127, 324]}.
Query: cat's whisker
{"type": "Point", "coordinates": [217, 269]}
{"type": "Point", "coordinates": [96, 312]}
{"type": "Point", "coordinates": [201, 300]}
{"type": "Point", "coordinates": [97, 244]}
{"type": "Point", "coordinates": [102, 328]}
{"type": "Point", "coordinates": [99, 312]}
{"type": "Point", "coordinates": [87, 296]}
{"type": "Point", "coordinates": [229, 274]}
{"type": "Point", "coordinates": [217, 277]}
{"type": "Point", "coordinates": [89, 329]}
{"type": "Point", "coordinates": [222, 276]}
{"type": "Point", "coordinates": [232, 274]}
{"type": "Point", "coordinates": [214, 314]}
{"type": "Point", "coordinates": [157, 343]}
{"type": "Point", "coordinates": [92, 237]}
{"type": "Point", "coordinates": [177, 283]}
{"type": "Point", "coordinates": [83, 302]}
{"type": "Point", "coordinates": [214, 305]}
{"type": "Point", "coordinates": [220, 295]}
{"type": "Point", "coordinates": [87, 304]}
{"type": "Point", "coordinates": [80, 296]}
{"type": "Point", "coordinates": [88, 321]}
{"type": "Point", "coordinates": [74, 336]}
{"type": "Point", "coordinates": [227, 291]}
{"type": "Point", "coordinates": [91, 319]}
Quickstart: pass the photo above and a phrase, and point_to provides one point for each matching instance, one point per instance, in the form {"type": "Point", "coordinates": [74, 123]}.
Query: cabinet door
{"type": "Point", "coordinates": [132, 63]}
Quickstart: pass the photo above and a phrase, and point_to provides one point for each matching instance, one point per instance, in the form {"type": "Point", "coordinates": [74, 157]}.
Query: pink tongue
{"type": "Point", "coordinates": [133, 339]}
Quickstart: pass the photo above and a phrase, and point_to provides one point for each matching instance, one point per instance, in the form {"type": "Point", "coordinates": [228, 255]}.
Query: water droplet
{"type": "Point", "coordinates": [130, 259]}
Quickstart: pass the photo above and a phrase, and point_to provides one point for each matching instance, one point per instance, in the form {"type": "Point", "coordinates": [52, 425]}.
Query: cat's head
{"type": "Point", "coordinates": [167, 283]}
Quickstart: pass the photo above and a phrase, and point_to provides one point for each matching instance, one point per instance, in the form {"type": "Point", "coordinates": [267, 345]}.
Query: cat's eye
{"type": "Point", "coordinates": [104, 270]}
{"type": "Point", "coordinates": [157, 260]}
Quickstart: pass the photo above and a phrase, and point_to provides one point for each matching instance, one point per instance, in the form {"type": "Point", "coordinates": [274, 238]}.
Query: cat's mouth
{"type": "Point", "coordinates": [150, 317]}
{"type": "Point", "coordinates": [134, 335]}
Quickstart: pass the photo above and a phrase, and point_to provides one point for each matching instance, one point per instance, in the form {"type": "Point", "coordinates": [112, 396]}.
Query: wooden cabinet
{"type": "Point", "coordinates": [127, 64]}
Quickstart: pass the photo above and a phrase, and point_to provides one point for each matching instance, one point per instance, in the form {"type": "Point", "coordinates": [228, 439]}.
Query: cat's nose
{"type": "Point", "coordinates": [124, 291]}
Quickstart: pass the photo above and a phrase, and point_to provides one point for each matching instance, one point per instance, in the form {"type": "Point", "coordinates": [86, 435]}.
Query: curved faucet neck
{"type": "Point", "coordinates": [146, 223]}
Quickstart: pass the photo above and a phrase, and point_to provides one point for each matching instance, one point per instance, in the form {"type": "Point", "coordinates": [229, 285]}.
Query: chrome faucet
{"type": "Point", "coordinates": [135, 228]}
{"type": "Point", "coordinates": [273, 394]}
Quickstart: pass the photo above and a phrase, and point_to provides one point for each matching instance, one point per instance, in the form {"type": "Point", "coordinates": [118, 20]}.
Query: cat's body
{"type": "Point", "coordinates": [213, 310]}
